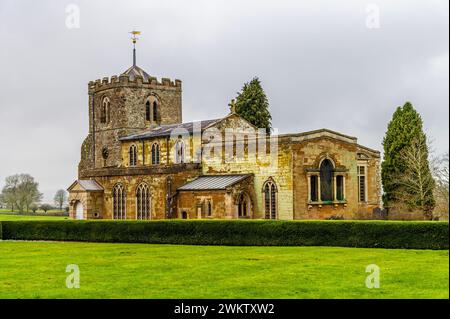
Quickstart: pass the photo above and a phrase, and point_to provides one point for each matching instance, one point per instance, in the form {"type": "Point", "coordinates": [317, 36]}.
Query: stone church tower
{"type": "Point", "coordinates": [123, 105]}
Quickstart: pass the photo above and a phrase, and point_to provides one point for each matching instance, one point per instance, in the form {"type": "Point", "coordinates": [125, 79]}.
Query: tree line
{"type": "Point", "coordinates": [21, 194]}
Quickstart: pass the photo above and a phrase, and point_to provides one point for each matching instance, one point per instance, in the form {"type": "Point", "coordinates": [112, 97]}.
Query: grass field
{"type": "Point", "coordinates": [37, 270]}
{"type": "Point", "coordinates": [27, 217]}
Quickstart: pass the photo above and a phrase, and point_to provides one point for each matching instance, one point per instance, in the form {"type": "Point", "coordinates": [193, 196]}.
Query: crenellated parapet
{"type": "Point", "coordinates": [136, 81]}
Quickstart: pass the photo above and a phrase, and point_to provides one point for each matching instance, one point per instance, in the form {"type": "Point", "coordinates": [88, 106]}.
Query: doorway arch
{"type": "Point", "coordinates": [79, 210]}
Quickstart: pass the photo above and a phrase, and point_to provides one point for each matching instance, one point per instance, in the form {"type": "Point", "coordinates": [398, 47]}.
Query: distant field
{"type": "Point", "coordinates": [7, 210]}
{"type": "Point", "coordinates": [27, 217]}
{"type": "Point", "coordinates": [38, 270]}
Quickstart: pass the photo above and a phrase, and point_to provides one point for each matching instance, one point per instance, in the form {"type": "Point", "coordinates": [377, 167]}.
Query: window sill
{"type": "Point", "coordinates": [327, 203]}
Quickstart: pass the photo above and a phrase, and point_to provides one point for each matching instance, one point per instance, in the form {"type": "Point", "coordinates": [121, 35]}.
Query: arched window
{"type": "Point", "coordinates": [270, 200]}
{"type": "Point", "coordinates": [155, 154]}
{"type": "Point", "coordinates": [133, 155]}
{"type": "Point", "coordinates": [326, 180]}
{"type": "Point", "coordinates": [147, 111]}
{"type": "Point", "coordinates": [155, 111]}
{"type": "Point", "coordinates": [152, 109]}
{"type": "Point", "coordinates": [179, 151]}
{"type": "Point", "coordinates": [104, 114]}
{"type": "Point", "coordinates": [119, 202]}
{"type": "Point", "coordinates": [143, 202]}
{"type": "Point", "coordinates": [243, 205]}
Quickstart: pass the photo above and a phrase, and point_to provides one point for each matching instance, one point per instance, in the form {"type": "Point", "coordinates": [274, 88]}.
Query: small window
{"type": "Point", "coordinates": [155, 154]}
{"type": "Point", "coordinates": [133, 155]}
{"type": "Point", "coordinates": [313, 190]}
{"type": "Point", "coordinates": [340, 187]}
{"type": "Point", "coordinates": [362, 183]}
{"type": "Point", "coordinates": [209, 209]}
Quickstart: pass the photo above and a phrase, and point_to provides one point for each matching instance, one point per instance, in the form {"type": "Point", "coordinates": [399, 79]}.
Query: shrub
{"type": "Point", "coordinates": [34, 208]}
{"type": "Point", "coordinates": [46, 207]}
{"type": "Point", "coordinates": [414, 235]}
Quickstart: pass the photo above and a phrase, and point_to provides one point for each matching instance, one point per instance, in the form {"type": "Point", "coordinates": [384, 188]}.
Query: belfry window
{"type": "Point", "coordinates": [143, 202]}
{"type": "Point", "coordinates": [147, 111]}
{"type": "Point", "coordinates": [152, 109]}
{"type": "Point", "coordinates": [133, 155]}
{"type": "Point", "coordinates": [270, 200]}
{"type": "Point", "coordinates": [155, 154]}
{"type": "Point", "coordinates": [119, 202]}
{"type": "Point", "coordinates": [104, 114]}
{"type": "Point", "coordinates": [155, 111]}
{"type": "Point", "coordinates": [326, 180]}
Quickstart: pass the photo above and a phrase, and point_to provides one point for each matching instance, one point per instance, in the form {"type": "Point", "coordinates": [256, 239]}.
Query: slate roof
{"type": "Point", "coordinates": [133, 71]}
{"type": "Point", "coordinates": [89, 185]}
{"type": "Point", "coordinates": [213, 182]}
{"type": "Point", "coordinates": [166, 130]}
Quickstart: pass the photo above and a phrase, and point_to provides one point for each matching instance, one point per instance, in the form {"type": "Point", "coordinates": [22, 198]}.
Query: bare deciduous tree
{"type": "Point", "coordinates": [60, 198]}
{"type": "Point", "coordinates": [440, 172]}
{"type": "Point", "coordinates": [416, 183]}
{"type": "Point", "coordinates": [20, 191]}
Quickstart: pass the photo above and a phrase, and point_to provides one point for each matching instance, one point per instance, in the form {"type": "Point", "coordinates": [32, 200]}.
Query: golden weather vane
{"type": "Point", "coordinates": [134, 38]}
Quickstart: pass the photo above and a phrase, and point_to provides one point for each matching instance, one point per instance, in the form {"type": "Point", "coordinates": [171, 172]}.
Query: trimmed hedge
{"type": "Point", "coordinates": [376, 234]}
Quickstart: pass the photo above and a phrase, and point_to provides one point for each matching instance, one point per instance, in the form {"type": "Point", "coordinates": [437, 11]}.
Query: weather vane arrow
{"type": "Point", "coordinates": [134, 38]}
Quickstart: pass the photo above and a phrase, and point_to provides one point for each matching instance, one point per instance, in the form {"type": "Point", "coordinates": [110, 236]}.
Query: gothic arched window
{"type": "Point", "coordinates": [119, 202]}
{"type": "Point", "coordinates": [155, 154]}
{"type": "Point", "coordinates": [243, 205]}
{"type": "Point", "coordinates": [104, 114]}
{"type": "Point", "coordinates": [152, 109]}
{"type": "Point", "coordinates": [179, 151]}
{"type": "Point", "coordinates": [326, 180]}
{"type": "Point", "coordinates": [143, 202]}
{"type": "Point", "coordinates": [270, 199]}
{"type": "Point", "coordinates": [133, 155]}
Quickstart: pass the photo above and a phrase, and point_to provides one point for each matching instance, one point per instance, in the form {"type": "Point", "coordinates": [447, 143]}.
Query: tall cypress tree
{"type": "Point", "coordinates": [252, 104]}
{"type": "Point", "coordinates": [405, 132]}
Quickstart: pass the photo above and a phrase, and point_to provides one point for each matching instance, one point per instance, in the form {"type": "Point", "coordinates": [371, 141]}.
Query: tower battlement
{"type": "Point", "coordinates": [132, 81]}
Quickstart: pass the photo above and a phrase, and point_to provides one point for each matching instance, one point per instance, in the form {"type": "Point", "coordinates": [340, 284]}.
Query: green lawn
{"type": "Point", "coordinates": [37, 270]}
{"type": "Point", "coordinates": [28, 217]}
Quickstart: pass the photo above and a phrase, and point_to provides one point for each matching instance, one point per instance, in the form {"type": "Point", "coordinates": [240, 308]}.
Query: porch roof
{"type": "Point", "coordinates": [88, 185]}
{"type": "Point", "coordinates": [213, 182]}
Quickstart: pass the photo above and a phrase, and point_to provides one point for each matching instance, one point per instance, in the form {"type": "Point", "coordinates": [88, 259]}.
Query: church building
{"type": "Point", "coordinates": [140, 161]}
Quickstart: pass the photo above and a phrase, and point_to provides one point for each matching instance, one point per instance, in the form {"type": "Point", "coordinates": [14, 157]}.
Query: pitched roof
{"type": "Point", "coordinates": [213, 182]}
{"type": "Point", "coordinates": [134, 70]}
{"type": "Point", "coordinates": [166, 130]}
{"type": "Point", "coordinates": [89, 185]}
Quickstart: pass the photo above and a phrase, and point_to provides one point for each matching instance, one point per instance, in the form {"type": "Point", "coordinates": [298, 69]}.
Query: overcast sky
{"type": "Point", "coordinates": [319, 63]}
